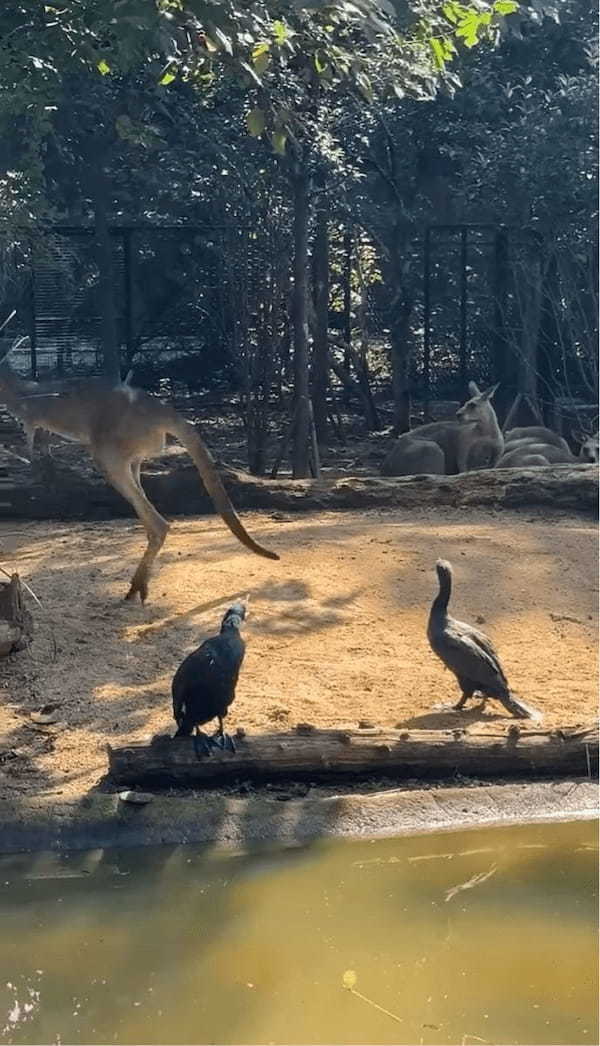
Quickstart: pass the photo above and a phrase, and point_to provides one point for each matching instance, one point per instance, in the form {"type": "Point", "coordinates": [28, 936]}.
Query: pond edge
{"type": "Point", "coordinates": [230, 822]}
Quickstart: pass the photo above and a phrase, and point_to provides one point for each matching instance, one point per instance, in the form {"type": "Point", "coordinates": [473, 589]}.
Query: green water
{"type": "Point", "coordinates": [180, 945]}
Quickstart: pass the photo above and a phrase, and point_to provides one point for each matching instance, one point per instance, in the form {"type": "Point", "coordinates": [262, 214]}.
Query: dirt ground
{"type": "Point", "coordinates": [336, 631]}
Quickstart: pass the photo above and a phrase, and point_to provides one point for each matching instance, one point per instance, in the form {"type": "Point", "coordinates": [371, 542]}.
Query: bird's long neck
{"type": "Point", "coordinates": [439, 606]}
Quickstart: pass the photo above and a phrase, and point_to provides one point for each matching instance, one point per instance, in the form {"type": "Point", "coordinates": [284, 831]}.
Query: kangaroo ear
{"type": "Point", "coordinates": [474, 388]}
{"type": "Point", "coordinates": [488, 393]}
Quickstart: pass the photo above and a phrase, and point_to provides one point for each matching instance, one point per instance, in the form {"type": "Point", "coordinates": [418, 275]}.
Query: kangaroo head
{"type": "Point", "coordinates": [478, 408]}
{"type": "Point", "coordinates": [589, 450]}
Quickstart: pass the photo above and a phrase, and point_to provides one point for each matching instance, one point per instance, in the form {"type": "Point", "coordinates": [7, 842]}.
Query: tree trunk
{"type": "Point", "coordinates": [300, 454]}
{"type": "Point", "coordinates": [320, 356]}
{"type": "Point", "coordinates": [16, 622]}
{"type": "Point", "coordinates": [104, 258]}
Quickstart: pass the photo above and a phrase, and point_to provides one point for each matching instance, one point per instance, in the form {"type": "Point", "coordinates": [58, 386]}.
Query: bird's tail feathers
{"type": "Point", "coordinates": [519, 709]}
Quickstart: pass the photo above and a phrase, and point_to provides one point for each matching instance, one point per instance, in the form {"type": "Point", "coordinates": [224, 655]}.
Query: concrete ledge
{"type": "Point", "coordinates": [236, 823]}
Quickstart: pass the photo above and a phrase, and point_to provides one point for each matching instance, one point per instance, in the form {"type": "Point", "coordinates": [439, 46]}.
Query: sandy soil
{"type": "Point", "coordinates": [336, 632]}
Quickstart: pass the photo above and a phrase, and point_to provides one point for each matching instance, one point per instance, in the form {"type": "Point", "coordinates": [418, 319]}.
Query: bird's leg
{"type": "Point", "coordinates": [222, 740]}
{"type": "Point", "coordinates": [202, 743]}
{"type": "Point", "coordinates": [467, 692]}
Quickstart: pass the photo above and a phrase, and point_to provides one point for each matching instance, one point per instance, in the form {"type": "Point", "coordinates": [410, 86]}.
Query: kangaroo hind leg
{"type": "Point", "coordinates": [123, 477]}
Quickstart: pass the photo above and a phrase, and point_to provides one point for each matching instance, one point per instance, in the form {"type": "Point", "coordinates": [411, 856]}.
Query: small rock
{"type": "Point", "coordinates": [43, 718]}
{"type": "Point", "coordinates": [566, 617]}
{"type": "Point", "coordinates": [365, 724]}
{"type": "Point", "coordinates": [137, 798]}
{"type": "Point", "coordinates": [480, 620]}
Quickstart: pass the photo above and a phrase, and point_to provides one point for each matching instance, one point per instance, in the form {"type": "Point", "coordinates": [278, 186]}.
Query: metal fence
{"type": "Point", "coordinates": [171, 296]}
{"type": "Point", "coordinates": [190, 299]}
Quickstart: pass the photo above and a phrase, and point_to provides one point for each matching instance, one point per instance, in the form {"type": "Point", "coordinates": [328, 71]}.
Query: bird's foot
{"type": "Point", "coordinates": [459, 706]}
{"type": "Point", "coordinates": [202, 744]}
{"type": "Point", "coordinates": [224, 742]}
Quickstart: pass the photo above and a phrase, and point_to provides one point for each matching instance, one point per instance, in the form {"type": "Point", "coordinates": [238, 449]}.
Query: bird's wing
{"type": "Point", "coordinates": [483, 642]}
{"type": "Point", "coordinates": [467, 656]}
{"type": "Point", "coordinates": [201, 667]}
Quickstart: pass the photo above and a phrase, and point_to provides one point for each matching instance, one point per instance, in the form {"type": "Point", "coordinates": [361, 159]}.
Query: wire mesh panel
{"type": "Point", "coordinates": [65, 300]}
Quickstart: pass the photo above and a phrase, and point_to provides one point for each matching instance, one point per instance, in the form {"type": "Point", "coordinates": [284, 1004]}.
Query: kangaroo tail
{"type": "Point", "coordinates": [519, 709]}
{"type": "Point", "coordinates": [202, 458]}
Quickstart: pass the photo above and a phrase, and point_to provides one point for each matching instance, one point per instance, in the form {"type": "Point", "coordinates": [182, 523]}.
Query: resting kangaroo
{"type": "Point", "coordinates": [534, 446]}
{"type": "Point", "coordinates": [120, 426]}
{"type": "Point", "coordinates": [474, 441]}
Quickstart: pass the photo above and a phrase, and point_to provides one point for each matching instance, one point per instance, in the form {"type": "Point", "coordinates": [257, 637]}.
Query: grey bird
{"type": "Point", "coordinates": [468, 652]}
{"type": "Point", "coordinates": [204, 685]}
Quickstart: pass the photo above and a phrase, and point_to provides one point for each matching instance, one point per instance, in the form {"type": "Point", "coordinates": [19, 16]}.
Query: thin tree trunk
{"type": "Point", "coordinates": [400, 360]}
{"type": "Point", "coordinates": [320, 355]}
{"type": "Point", "coordinates": [300, 454]}
{"type": "Point", "coordinates": [361, 360]}
{"type": "Point", "coordinates": [401, 311]}
{"type": "Point", "coordinates": [502, 350]}
{"type": "Point", "coordinates": [104, 258]}
{"type": "Point", "coordinates": [548, 348]}
{"type": "Point", "coordinates": [347, 289]}
{"type": "Point", "coordinates": [528, 363]}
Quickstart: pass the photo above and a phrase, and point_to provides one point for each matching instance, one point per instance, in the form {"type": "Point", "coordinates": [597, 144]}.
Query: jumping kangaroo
{"type": "Point", "coordinates": [444, 448]}
{"type": "Point", "coordinates": [121, 426]}
{"type": "Point", "coordinates": [534, 446]}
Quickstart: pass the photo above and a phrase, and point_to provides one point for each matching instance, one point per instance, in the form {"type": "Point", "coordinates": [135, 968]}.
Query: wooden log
{"type": "Point", "coordinates": [326, 755]}
{"type": "Point", "coordinates": [16, 622]}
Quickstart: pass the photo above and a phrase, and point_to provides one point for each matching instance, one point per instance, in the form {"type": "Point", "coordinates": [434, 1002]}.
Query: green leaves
{"type": "Point", "coordinates": [281, 31]}
{"type": "Point", "coordinates": [261, 57]}
{"type": "Point", "coordinates": [278, 141]}
{"type": "Point", "coordinates": [443, 51]}
{"type": "Point", "coordinates": [255, 122]}
{"type": "Point", "coordinates": [506, 7]}
{"type": "Point", "coordinates": [469, 23]}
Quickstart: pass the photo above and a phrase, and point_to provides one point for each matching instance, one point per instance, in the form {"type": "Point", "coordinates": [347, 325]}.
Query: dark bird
{"type": "Point", "coordinates": [469, 653]}
{"type": "Point", "coordinates": [204, 685]}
